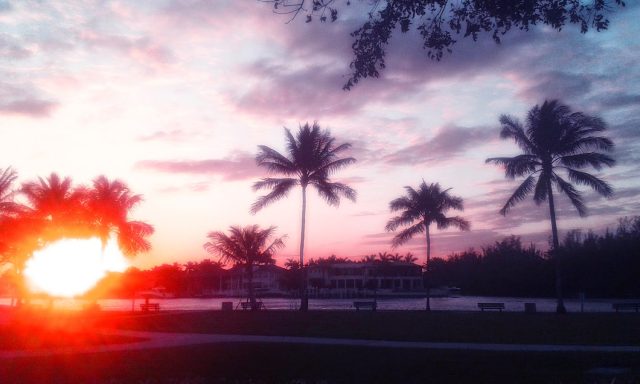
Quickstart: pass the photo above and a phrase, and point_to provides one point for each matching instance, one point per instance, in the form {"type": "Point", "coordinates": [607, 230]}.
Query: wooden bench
{"type": "Point", "coordinates": [372, 305]}
{"type": "Point", "coordinates": [626, 307]}
{"type": "Point", "coordinates": [150, 307]}
{"type": "Point", "coordinates": [246, 305]}
{"type": "Point", "coordinates": [491, 306]}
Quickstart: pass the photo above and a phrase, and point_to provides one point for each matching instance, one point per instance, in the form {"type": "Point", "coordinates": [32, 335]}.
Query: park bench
{"type": "Point", "coordinates": [246, 305]}
{"type": "Point", "coordinates": [626, 307]}
{"type": "Point", "coordinates": [372, 305]}
{"type": "Point", "coordinates": [491, 306]}
{"type": "Point", "coordinates": [150, 307]}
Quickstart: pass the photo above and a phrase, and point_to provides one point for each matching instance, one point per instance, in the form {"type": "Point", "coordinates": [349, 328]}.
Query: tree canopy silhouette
{"type": "Point", "coordinates": [421, 208]}
{"type": "Point", "coordinates": [439, 21]}
{"type": "Point", "coordinates": [54, 209]}
{"type": "Point", "coordinates": [312, 157]}
{"type": "Point", "coordinates": [109, 203]}
{"type": "Point", "coordinates": [248, 246]}
{"type": "Point", "coordinates": [555, 140]}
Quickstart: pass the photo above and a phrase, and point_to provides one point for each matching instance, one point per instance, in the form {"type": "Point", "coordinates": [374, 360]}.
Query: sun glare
{"type": "Point", "coordinates": [70, 267]}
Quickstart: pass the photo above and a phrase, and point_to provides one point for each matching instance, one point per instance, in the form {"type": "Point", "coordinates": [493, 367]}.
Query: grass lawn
{"type": "Point", "coordinates": [300, 364]}
{"type": "Point", "coordinates": [475, 327]}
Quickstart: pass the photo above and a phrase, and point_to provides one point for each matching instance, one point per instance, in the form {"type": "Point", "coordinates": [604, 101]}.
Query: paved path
{"type": "Point", "coordinates": [165, 340]}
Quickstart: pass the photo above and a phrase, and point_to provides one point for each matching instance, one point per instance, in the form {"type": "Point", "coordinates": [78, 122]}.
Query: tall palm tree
{"type": "Point", "coordinates": [555, 140]}
{"type": "Point", "coordinates": [109, 203]}
{"type": "Point", "coordinates": [418, 210]}
{"type": "Point", "coordinates": [248, 246]}
{"type": "Point", "coordinates": [312, 157]}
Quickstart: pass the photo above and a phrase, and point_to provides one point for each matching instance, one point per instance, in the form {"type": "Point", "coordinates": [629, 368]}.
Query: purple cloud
{"type": "Point", "coordinates": [240, 166]}
{"type": "Point", "coordinates": [449, 142]}
{"type": "Point", "coordinates": [21, 100]}
{"type": "Point", "coordinates": [621, 100]}
{"type": "Point", "coordinates": [558, 85]}
{"type": "Point", "coordinates": [10, 48]}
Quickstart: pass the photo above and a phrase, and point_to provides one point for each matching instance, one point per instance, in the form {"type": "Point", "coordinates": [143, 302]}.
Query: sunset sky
{"type": "Point", "coordinates": [173, 98]}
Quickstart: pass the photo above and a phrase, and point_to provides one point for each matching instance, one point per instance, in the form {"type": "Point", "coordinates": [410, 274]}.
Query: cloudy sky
{"type": "Point", "coordinates": [174, 96]}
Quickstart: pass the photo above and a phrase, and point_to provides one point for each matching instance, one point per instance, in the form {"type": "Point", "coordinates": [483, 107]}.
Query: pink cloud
{"type": "Point", "coordinates": [141, 49]}
{"type": "Point", "coordinates": [240, 166]}
{"type": "Point", "coordinates": [23, 100]}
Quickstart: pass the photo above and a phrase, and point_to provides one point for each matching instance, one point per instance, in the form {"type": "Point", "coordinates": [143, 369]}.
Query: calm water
{"type": "Point", "coordinates": [462, 303]}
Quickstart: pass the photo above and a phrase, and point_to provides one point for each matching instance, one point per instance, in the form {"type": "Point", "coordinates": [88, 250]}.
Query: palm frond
{"type": "Point", "coordinates": [450, 202]}
{"type": "Point", "coordinates": [589, 180]}
{"type": "Point", "coordinates": [406, 234]}
{"type": "Point", "coordinates": [335, 165]}
{"type": "Point", "coordinates": [273, 161]}
{"type": "Point", "coordinates": [132, 237]}
{"type": "Point", "coordinates": [401, 203]}
{"type": "Point", "coordinates": [331, 192]}
{"type": "Point", "coordinates": [272, 182]}
{"type": "Point", "coordinates": [594, 159]}
{"type": "Point", "coordinates": [340, 148]}
{"type": "Point", "coordinates": [542, 189]}
{"type": "Point", "coordinates": [279, 190]}
{"type": "Point", "coordinates": [454, 221]}
{"type": "Point", "coordinates": [519, 194]}
{"type": "Point", "coordinates": [591, 143]}
{"type": "Point", "coordinates": [512, 129]}
{"type": "Point", "coordinates": [574, 196]}
{"type": "Point", "coordinates": [516, 166]}
{"type": "Point", "coordinates": [406, 218]}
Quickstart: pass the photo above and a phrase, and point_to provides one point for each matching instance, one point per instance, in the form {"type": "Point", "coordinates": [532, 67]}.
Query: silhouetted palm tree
{"type": "Point", "coordinates": [369, 258]}
{"type": "Point", "coordinates": [410, 258]}
{"type": "Point", "coordinates": [110, 203]}
{"type": "Point", "coordinates": [248, 246]}
{"type": "Point", "coordinates": [555, 139]}
{"type": "Point", "coordinates": [7, 205]}
{"type": "Point", "coordinates": [312, 156]}
{"type": "Point", "coordinates": [57, 208]}
{"type": "Point", "coordinates": [418, 210]}
{"type": "Point", "coordinates": [11, 229]}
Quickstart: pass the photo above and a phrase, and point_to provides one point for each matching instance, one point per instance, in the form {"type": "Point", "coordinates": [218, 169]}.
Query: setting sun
{"type": "Point", "coordinates": [70, 267]}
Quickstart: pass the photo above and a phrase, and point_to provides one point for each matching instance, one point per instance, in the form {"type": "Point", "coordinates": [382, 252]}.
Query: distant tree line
{"type": "Point", "coordinates": [606, 265]}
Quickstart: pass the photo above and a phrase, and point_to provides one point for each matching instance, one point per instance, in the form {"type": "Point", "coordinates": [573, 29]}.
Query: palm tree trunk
{"type": "Point", "coordinates": [426, 272]}
{"type": "Point", "coordinates": [560, 308]}
{"type": "Point", "coordinates": [252, 296]}
{"type": "Point", "coordinates": [304, 299]}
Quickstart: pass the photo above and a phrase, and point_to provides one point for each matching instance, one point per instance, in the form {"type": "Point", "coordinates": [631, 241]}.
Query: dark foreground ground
{"type": "Point", "coordinates": [440, 326]}
{"type": "Point", "coordinates": [281, 363]}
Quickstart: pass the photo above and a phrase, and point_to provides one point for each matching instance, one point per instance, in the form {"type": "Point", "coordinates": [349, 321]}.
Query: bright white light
{"type": "Point", "coordinates": [70, 267]}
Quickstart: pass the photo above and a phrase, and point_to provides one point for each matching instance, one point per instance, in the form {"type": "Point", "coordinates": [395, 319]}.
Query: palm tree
{"type": "Point", "coordinates": [554, 140]}
{"type": "Point", "coordinates": [110, 203]}
{"type": "Point", "coordinates": [57, 207]}
{"type": "Point", "coordinates": [410, 258]}
{"type": "Point", "coordinates": [248, 246]}
{"type": "Point", "coordinates": [312, 157]}
{"type": "Point", "coordinates": [7, 208]}
{"type": "Point", "coordinates": [7, 177]}
{"type": "Point", "coordinates": [418, 210]}
{"type": "Point", "coordinates": [368, 258]}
